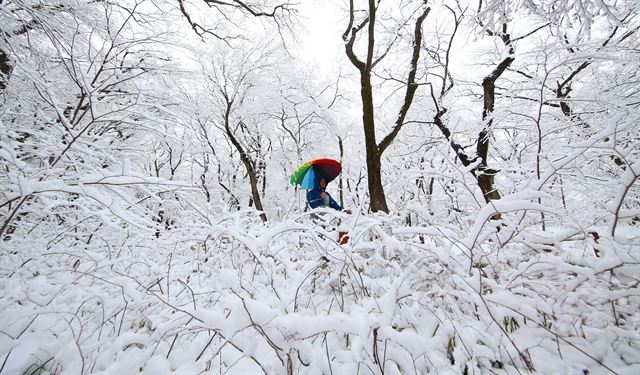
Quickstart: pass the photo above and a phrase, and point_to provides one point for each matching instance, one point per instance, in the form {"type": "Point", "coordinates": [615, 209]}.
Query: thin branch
{"type": "Point", "coordinates": [411, 86]}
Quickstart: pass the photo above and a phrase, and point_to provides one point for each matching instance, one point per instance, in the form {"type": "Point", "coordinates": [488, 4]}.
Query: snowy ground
{"type": "Point", "coordinates": [241, 297]}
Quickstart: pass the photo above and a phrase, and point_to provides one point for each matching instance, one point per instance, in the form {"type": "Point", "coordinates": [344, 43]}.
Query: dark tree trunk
{"type": "Point", "coordinates": [340, 180]}
{"type": "Point", "coordinates": [248, 164]}
{"type": "Point", "coordinates": [5, 64]}
{"type": "Point", "coordinates": [485, 175]}
{"type": "Point", "coordinates": [5, 70]}
{"type": "Point", "coordinates": [374, 150]}
{"type": "Point", "coordinates": [377, 198]}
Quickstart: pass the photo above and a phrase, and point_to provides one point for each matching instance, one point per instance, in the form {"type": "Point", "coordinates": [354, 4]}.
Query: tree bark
{"type": "Point", "coordinates": [485, 175]}
{"type": "Point", "coordinates": [377, 197]}
{"type": "Point", "coordinates": [248, 164]}
{"type": "Point", "coordinates": [5, 70]}
{"type": "Point", "coordinates": [340, 180]}
{"type": "Point", "coordinates": [374, 150]}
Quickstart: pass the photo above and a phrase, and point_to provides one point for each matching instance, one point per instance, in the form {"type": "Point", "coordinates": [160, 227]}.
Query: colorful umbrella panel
{"type": "Point", "coordinates": [308, 175]}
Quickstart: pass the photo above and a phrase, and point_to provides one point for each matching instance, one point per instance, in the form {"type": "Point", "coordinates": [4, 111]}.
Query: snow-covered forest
{"type": "Point", "coordinates": [490, 160]}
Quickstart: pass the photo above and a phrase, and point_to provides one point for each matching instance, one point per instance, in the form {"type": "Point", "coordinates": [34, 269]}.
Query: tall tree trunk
{"type": "Point", "coordinates": [485, 175]}
{"type": "Point", "coordinates": [377, 198]}
{"type": "Point", "coordinates": [374, 150]}
{"type": "Point", "coordinates": [340, 180]}
{"type": "Point", "coordinates": [5, 70]}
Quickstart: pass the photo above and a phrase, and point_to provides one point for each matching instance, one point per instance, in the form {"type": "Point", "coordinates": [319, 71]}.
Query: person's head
{"type": "Point", "coordinates": [322, 183]}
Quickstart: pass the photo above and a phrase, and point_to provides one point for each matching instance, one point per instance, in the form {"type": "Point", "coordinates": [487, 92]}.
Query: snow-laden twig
{"type": "Point", "coordinates": [629, 177]}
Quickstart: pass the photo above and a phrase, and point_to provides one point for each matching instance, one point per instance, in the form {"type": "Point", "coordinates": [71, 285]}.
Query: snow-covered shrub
{"type": "Point", "coordinates": [285, 297]}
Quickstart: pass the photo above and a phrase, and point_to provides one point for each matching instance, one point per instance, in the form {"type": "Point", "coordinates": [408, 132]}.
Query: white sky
{"type": "Point", "coordinates": [323, 45]}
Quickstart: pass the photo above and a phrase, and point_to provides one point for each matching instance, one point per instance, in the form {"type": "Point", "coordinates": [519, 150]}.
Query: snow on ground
{"type": "Point", "coordinates": [242, 297]}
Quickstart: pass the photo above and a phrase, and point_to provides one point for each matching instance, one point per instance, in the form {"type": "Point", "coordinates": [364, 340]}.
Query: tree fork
{"type": "Point", "coordinates": [373, 149]}
{"type": "Point", "coordinates": [485, 175]}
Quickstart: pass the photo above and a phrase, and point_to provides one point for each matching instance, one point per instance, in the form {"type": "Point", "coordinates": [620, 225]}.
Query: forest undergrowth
{"type": "Point", "coordinates": [241, 296]}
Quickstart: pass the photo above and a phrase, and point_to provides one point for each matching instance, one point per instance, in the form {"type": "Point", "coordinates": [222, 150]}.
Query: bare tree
{"type": "Point", "coordinates": [249, 163]}
{"type": "Point", "coordinates": [83, 108]}
{"type": "Point", "coordinates": [234, 86]}
{"type": "Point", "coordinates": [365, 66]}
{"type": "Point", "coordinates": [477, 161]}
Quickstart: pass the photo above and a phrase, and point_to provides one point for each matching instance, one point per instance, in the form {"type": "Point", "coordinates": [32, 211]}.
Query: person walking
{"type": "Point", "coordinates": [318, 197]}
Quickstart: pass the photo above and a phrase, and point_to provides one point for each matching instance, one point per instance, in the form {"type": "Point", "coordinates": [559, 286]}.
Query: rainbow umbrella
{"type": "Point", "coordinates": [309, 174]}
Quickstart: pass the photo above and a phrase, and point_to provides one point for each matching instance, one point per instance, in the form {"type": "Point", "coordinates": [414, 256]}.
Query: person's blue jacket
{"type": "Point", "coordinates": [314, 200]}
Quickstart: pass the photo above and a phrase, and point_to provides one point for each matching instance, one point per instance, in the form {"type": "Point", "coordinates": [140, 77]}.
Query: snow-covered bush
{"type": "Point", "coordinates": [243, 297]}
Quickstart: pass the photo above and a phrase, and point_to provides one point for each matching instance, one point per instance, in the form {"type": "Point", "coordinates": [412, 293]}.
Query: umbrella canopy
{"type": "Point", "coordinates": [309, 174]}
